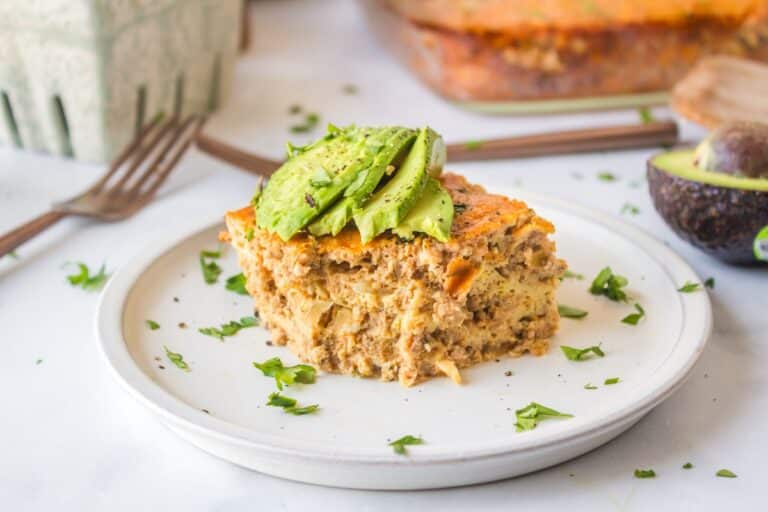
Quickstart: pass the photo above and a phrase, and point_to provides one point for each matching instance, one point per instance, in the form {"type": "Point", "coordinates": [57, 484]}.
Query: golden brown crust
{"type": "Point", "coordinates": [524, 16]}
{"type": "Point", "coordinates": [482, 214]}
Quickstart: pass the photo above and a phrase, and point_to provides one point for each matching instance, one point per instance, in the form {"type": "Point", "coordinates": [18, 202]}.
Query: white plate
{"type": "Point", "coordinates": [469, 430]}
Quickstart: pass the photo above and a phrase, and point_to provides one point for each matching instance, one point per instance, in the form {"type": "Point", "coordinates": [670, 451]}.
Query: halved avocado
{"type": "Point", "coordinates": [720, 213]}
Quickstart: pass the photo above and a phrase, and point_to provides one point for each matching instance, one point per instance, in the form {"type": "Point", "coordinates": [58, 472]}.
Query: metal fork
{"type": "Point", "coordinates": [128, 185]}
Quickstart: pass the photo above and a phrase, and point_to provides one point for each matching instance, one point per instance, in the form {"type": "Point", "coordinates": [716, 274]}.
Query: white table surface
{"type": "Point", "coordinates": [72, 439]}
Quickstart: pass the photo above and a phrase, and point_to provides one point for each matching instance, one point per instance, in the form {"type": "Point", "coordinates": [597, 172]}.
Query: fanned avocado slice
{"type": "Point", "coordinates": [311, 181]}
{"type": "Point", "coordinates": [393, 144]}
{"type": "Point", "coordinates": [432, 214]}
{"type": "Point", "coordinates": [390, 205]}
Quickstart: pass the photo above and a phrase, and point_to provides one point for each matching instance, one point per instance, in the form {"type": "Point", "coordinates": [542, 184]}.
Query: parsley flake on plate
{"type": "Point", "coordinates": [630, 209]}
{"type": "Point", "coordinates": [249, 234]}
{"type": "Point", "coordinates": [278, 400]}
{"type": "Point", "coordinates": [689, 287]}
{"type": "Point", "coordinates": [286, 375]}
{"type": "Point", "coordinates": [571, 275]}
{"type": "Point", "coordinates": [86, 281]}
{"type": "Point", "coordinates": [153, 325]}
{"type": "Point", "coordinates": [177, 359]}
{"type": "Point", "coordinates": [236, 283]}
{"type": "Point", "coordinates": [611, 381]}
{"type": "Point", "coordinates": [645, 473]}
{"type": "Point", "coordinates": [589, 386]}
{"type": "Point", "coordinates": [726, 473]}
{"type": "Point", "coordinates": [687, 465]}
{"type": "Point", "coordinates": [231, 328]}
{"type": "Point", "coordinates": [710, 282]}
{"type": "Point", "coordinates": [610, 285]}
{"type": "Point", "coordinates": [211, 269]}
{"type": "Point", "coordinates": [570, 312]}
{"type": "Point", "coordinates": [606, 176]}
{"type": "Point", "coordinates": [580, 354]}
{"type": "Point", "coordinates": [633, 318]}
{"type": "Point", "coordinates": [399, 444]}
{"type": "Point", "coordinates": [530, 415]}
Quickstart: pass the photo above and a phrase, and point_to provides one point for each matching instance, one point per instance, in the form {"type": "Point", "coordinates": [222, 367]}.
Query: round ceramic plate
{"type": "Point", "coordinates": [468, 430]}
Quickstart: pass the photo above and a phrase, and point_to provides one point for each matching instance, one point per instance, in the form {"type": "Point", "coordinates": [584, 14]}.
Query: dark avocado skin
{"type": "Point", "coordinates": [720, 221]}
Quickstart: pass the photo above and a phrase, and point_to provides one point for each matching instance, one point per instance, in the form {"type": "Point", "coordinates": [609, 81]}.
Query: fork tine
{"type": "Point", "coordinates": [160, 168]}
{"type": "Point", "coordinates": [145, 151]}
{"type": "Point", "coordinates": [126, 153]}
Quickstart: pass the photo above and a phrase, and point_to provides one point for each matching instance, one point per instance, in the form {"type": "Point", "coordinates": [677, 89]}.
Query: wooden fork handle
{"type": "Point", "coordinates": [21, 234]}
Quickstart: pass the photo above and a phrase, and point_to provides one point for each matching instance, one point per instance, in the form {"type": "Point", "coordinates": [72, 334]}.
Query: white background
{"type": "Point", "coordinates": [71, 439]}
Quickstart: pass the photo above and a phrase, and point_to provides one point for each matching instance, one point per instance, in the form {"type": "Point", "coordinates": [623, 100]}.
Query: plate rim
{"type": "Point", "coordinates": [109, 333]}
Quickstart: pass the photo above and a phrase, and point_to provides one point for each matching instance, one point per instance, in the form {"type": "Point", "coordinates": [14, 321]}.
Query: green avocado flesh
{"type": "Point", "coordinates": [393, 144]}
{"type": "Point", "coordinates": [294, 195]}
{"type": "Point", "coordinates": [680, 163]}
{"type": "Point", "coordinates": [389, 206]}
{"type": "Point", "coordinates": [353, 174]}
{"type": "Point", "coordinates": [431, 215]}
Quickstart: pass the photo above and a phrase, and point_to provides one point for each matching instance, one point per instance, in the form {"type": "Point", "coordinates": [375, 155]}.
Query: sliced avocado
{"type": "Point", "coordinates": [394, 143]}
{"type": "Point", "coordinates": [721, 213]}
{"type": "Point", "coordinates": [390, 205]}
{"type": "Point", "coordinates": [431, 215]}
{"type": "Point", "coordinates": [294, 195]}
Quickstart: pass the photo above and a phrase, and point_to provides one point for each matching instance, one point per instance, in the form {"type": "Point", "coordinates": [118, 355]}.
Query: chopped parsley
{"type": "Point", "coordinates": [177, 359]}
{"type": "Point", "coordinates": [589, 386]}
{"type": "Point", "coordinates": [726, 473]}
{"type": "Point", "coordinates": [320, 178]}
{"type": "Point", "coordinates": [294, 109]}
{"type": "Point", "coordinates": [611, 381]}
{"type": "Point", "coordinates": [249, 234]}
{"type": "Point", "coordinates": [630, 209]}
{"type": "Point", "coordinates": [645, 114]}
{"type": "Point", "coordinates": [473, 145]}
{"type": "Point", "coordinates": [571, 275]}
{"type": "Point", "coordinates": [301, 411]}
{"type": "Point", "coordinates": [645, 473]}
{"type": "Point", "coordinates": [570, 312]}
{"type": "Point", "coordinates": [689, 287]}
{"type": "Point", "coordinates": [610, 285]}
{"type": "Point", "coordinates": [231, 328]}
{"type": "Point", "coordinates": [311, 121]}
{"type": "Point", "coordinates": [39, 361]}
{"type": "Point", "coordinates": [153, 325]}
{"type": "Point", "coordinates": [530, 415]}
{"type": "Point", "coordinates": [606, 176]}
{"type": "Point", "coordinates": [286, 375]}
{"type": "Point", "coordinates": [687, 465]}
{"type": "Point", "coordinates": [289, 404]}
{"type": "Point", "coordinates": [580, 354]}
{"type": "Point", "coordinates": [633, 318]}
{"type": "Point", "coordinates": [399, 444]}
{"type": "Point", "coordinates": [211, 269]}
{"type": "Point", "coordinates": [278, 400]}
{"type": "Point", "coordinates": [83, 279]}
{"type": "Point", "coordinates": [710, 282]}
{"type": "Point", "coordinates": [236, 284]}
